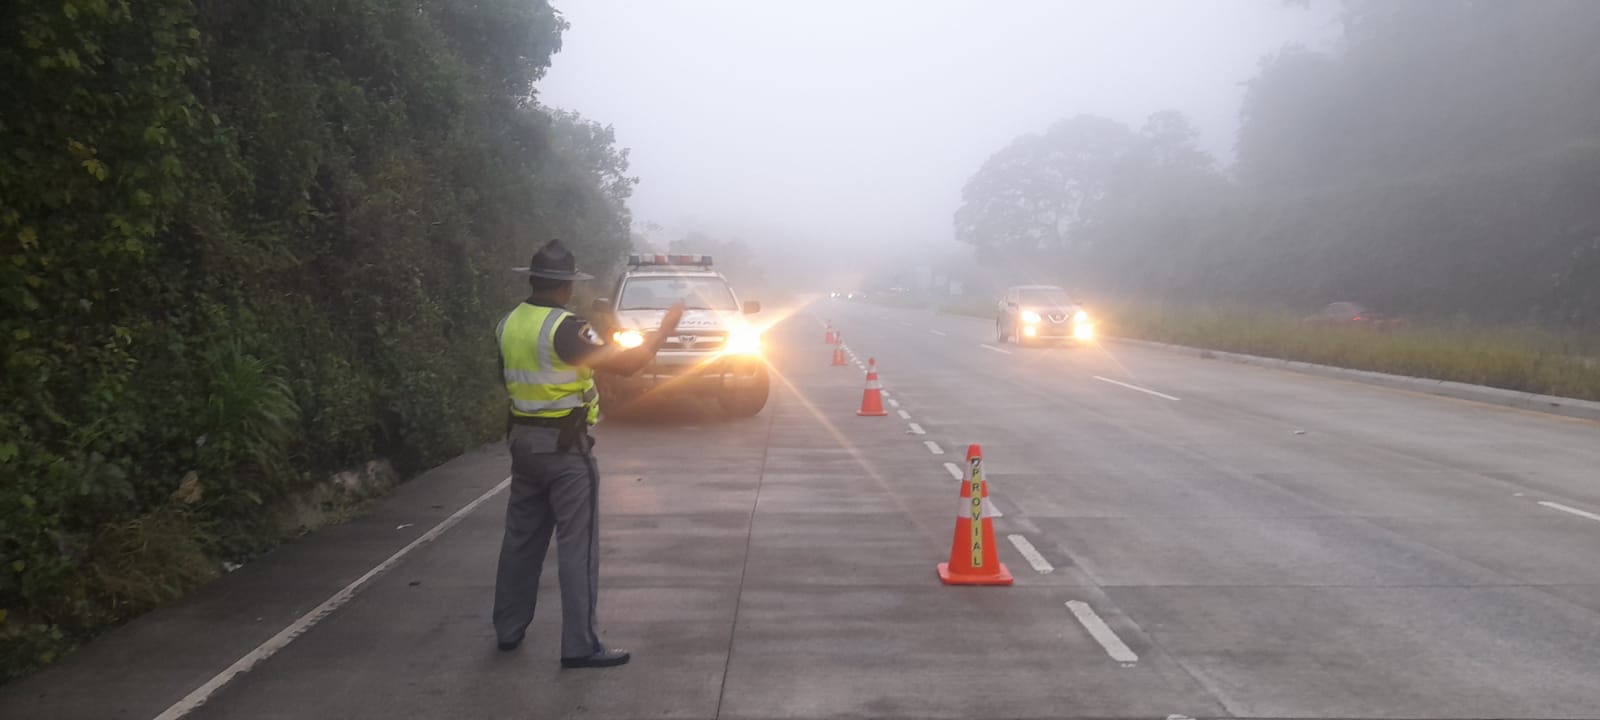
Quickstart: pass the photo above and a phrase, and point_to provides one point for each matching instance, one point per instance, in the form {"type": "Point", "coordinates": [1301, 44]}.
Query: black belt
{"type": "Point", "coordinates": [574, 427]}
{"type": "Point", "coordinates": [544, 422]}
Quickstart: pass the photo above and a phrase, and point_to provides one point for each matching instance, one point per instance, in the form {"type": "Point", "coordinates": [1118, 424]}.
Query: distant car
{"type": "Point", "coordinates": [1031, 313]}
{"type": "Point", "coordinates": [1349, 314]}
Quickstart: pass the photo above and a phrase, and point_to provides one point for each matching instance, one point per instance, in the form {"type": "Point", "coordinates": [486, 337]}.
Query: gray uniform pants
{"type": "Point", "coordinates": [550, 491]}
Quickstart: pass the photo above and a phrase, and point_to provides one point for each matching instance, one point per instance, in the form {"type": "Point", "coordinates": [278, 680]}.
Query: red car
{"type": "Point", "coordinates": [1349, 314]}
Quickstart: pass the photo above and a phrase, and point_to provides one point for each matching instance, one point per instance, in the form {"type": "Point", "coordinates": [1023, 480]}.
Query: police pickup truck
{"type": "Point", "coordinates": [716, 351]}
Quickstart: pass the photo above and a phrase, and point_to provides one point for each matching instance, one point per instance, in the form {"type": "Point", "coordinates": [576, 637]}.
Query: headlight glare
{"type": "Point", "coordinates": [628, 338]}
{"type": "Point", "coordinates": [1030, 317]}
{"type": "Point", "coordinates": [745, 341]}
{"type": "Point", "coordinates": [1080, 317]}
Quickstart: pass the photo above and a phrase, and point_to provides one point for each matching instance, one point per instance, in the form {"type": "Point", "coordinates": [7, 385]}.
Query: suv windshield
{"type": "Point", "coordinates": [1043, 296]}
{"type": "Point", "coordinates": [657, 293]}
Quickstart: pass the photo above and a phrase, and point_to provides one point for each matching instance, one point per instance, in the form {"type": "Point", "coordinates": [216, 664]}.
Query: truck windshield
{"type": "Point", "coordinates": [658, 293]}
{"type": "Point", "coordinates": [1043, 296]}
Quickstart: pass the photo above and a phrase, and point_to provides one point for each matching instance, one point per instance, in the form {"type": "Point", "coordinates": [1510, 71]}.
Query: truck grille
{"type": "Point", "coordinates": [695, 342]}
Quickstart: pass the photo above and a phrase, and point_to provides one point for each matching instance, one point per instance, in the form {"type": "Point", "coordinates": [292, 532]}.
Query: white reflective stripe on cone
{"type": "Point", "coordinates": [964, 509]}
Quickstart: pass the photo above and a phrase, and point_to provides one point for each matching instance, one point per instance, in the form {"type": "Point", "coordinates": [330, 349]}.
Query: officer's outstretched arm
{"type": "Point", "coordinates": [627, 362]}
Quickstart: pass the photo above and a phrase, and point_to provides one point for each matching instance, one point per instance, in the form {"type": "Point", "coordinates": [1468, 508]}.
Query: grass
{"type": "Point", "coordinates": [1527, 359]}
{"type": "Point", "coordinates": [152, 559]}
{"type": "Point", "coordinates": [1523, 358]}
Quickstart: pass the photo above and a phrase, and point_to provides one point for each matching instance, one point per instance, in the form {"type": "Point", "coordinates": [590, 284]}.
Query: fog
{"type": "Point", "coordinates": [1274, 153]}
{"type": "Point", "coordinates": [855, 124]}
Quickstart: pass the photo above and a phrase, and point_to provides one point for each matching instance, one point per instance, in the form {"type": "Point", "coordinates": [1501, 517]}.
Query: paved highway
{"type": "Point", "coordinates": [1190, 538]}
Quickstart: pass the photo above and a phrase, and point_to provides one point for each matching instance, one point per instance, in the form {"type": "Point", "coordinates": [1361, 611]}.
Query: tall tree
{"type": "Point", "coordinates": [1039, 194]}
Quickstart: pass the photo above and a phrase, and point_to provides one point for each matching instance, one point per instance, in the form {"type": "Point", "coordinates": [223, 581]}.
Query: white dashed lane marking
{"type": "Point", "coordinates": [1040, 565]}
{"type": "Point", "coordinates": [1569, 509]}
{"type": "Point", "coordinates": [1102, 632]}
{"type": "Point", "coordinates": [1146, 391]}
{"type": "Point", "coordinates": [933, 447]}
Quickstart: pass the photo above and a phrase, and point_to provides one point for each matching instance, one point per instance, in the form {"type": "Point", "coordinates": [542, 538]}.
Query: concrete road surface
{"type": "Point", "coordinates": [1190, 538]}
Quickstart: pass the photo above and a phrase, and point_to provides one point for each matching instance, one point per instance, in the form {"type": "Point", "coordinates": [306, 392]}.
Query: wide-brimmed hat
{"type": "Point", "coordinates": [554, 262]}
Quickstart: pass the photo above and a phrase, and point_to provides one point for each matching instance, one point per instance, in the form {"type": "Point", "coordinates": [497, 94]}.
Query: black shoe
{"type": "Point", "coordinates": [507, 646]}
{"type": "Point", "coordinates": [602, 659]}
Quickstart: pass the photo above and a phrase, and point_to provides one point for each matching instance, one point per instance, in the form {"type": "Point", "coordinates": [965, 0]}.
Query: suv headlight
{"type": "Point", "coordinates": [1030, 317]}
{"type": "Point", "coordinates": [628, 339]}
{"type": "Point", "coordinates": [743, 341]}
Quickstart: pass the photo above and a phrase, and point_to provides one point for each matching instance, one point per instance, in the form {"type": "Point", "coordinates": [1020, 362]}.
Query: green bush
{"type": "Point", "coordinates": [250, 244]}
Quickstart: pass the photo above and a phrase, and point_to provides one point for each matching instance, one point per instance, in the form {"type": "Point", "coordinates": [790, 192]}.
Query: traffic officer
{"type": "Point", "coordinates": [548, 357]}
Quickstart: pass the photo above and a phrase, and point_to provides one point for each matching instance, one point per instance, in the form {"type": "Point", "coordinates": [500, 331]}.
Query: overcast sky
{"type": "Point", "coordinates": [846, 123]}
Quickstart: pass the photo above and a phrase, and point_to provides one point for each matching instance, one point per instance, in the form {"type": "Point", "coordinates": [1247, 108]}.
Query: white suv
{"type": "Point", "coordinates": [716, 350]}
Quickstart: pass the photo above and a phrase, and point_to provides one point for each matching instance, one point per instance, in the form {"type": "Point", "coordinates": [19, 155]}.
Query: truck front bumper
{"type": "Point", "coordinates": [691, 375]}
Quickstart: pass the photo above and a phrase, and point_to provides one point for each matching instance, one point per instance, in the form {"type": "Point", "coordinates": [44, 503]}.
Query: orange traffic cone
{"type": "Point", "coordinates": [974, 558]}
{"type": "Point", "coordinates": [872, 397]}
{"type": "Point", "coordinates": [832, 337]}
{"type": "Point", "coordinates": [838, 351]}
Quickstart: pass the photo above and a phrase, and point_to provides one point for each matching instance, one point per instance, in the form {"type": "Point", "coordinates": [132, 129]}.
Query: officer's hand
{"type": "Point", "coordinates": [669, 321]}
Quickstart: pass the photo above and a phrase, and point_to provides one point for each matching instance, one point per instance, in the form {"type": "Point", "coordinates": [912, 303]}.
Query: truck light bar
{"type": "Point", "coordinates": [638, 260]}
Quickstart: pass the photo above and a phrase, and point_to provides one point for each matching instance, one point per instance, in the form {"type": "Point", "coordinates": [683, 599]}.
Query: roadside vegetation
{"type": "Point", "coordinates": [1438, 162]}
{"type": "Point", "coordinates": [1527, 358]}
{"type": "Point", "coordinates": [243, 246]}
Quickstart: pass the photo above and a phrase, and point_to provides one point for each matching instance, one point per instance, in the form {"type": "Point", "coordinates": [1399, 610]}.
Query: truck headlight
{"type": "Point", "coordinates": [628, 339]}
{"type": "Point", "coordinates": [744, 341]}
{"type": "Point", "coordinates": [1030, 317]}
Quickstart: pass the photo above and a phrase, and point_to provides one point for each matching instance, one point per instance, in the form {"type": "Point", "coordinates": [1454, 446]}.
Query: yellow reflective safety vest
{"type": "Point", "coordinates": [538, 382]}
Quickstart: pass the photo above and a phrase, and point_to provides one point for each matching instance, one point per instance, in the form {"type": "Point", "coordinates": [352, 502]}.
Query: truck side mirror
{"type": "Point", "coordinates": [601, 306]}
{"type": "Point", "coordinates": [751, 307]}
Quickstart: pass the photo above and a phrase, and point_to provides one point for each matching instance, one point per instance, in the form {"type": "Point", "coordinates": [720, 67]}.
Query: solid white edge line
{"type": "Point", "coordinates": [904, 415]}
{"type": "Point", "coordinates": [938, 332]}
{"type": "Point", "coordinates": [933, 447]}
{"type": "Point", "coordinates": [998, 350]}
{"type": "Point", "coordinates": [1040, 565]}
{"type": "Point", "coordinates": [916, 429]}
{"type": "Point", "coordinates": [1146, 391]}
{"type": "Point", "coordinates": [1102, 632]}
{"type": "Point", "coordinates": [277, 642]}
{"type": "Point", "coordinates": [1569, 509]}
{"type": "Point", "coordinates": [955, 471]}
